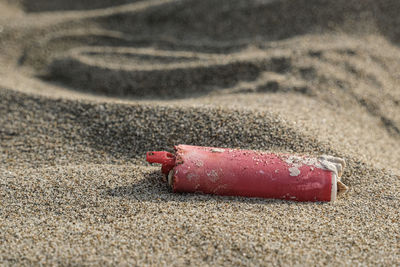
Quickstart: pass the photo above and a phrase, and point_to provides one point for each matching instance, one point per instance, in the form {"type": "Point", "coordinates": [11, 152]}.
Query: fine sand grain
{"type": "Point", "coordinates": [88, 87]}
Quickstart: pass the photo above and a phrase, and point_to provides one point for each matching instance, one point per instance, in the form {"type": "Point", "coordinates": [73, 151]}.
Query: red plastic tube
{"type": "Point", "coordinates": [249, 173]}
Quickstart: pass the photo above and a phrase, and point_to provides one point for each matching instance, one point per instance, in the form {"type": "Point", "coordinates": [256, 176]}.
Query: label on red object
{"type": "Point", "coordinates": [252, 174]}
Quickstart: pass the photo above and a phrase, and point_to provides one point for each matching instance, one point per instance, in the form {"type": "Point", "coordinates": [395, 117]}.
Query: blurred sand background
{"type": "Point", "coordinates": [87, 87]}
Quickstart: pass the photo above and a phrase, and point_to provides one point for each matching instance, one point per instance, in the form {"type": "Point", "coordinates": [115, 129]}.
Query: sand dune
{"type": "Point", "coordinates": [88, 87]}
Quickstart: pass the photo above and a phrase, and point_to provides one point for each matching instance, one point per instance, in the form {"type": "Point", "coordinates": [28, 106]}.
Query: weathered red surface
{"type": "Point", "coordinates": [248, 173]}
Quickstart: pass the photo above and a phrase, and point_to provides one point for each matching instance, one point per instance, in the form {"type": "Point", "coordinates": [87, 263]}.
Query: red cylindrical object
{"type": "Point", "coordinates": [249, 173]}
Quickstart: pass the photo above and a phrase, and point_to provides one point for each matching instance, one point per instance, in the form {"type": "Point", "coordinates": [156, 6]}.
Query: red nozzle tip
{"type": "Point", "coordinates": [163, 157]}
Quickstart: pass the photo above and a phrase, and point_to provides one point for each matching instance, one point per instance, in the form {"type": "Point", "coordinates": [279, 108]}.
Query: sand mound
{"type": "Point", "coordinates": [71, 167]}
{"type": "Point", "coordinates": [88, 87]}
{"type": "Point", "coordinates": [149, 72]}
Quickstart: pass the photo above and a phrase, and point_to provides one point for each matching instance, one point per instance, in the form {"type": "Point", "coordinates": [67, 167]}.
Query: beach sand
{"type": "Point", "coordinates": [88, 87]}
